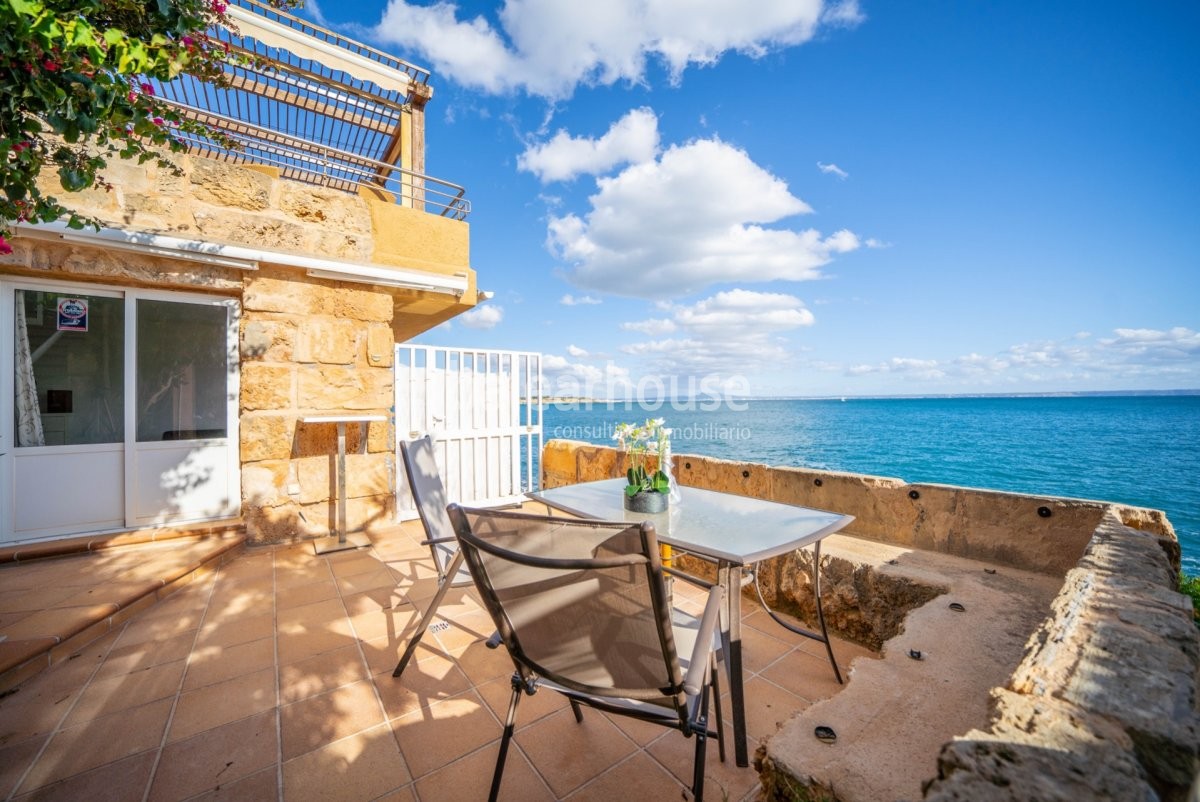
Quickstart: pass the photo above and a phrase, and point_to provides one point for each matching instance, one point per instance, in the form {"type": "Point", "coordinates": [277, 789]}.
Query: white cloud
{"type": "Point", "coordinates": [485, 316]}
{"type": "Point", "coordinates": [737, 331]}
{"type": "Point", "coordinates": [583, 300]}
{"type": "Point", "coordinates": [690, 219]}
{"type": "Point", "coordinates": [576, 352]}
{"type": "Point", "coordinates": [833, 169]}
{"type": "Point", "coordinates": [548, 47]}
{"type": "Point", "coordinates": [1132, 359]}
{"type": "Point", "coordinates": [630, 140]}
{"type": "Point", "coordinates": [655, 327]}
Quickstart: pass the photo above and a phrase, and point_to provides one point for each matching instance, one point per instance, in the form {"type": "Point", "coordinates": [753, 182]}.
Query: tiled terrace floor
{"type": "Point", "coordinates": [271, 679]}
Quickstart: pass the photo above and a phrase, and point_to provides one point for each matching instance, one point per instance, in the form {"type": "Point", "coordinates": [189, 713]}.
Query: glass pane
{"type": "Point", "coordinates": [69, 365]}
{"type": "Point", "coordinates": [182, 370]}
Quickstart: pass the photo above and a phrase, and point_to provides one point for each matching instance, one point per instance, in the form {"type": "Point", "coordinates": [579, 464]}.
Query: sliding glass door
{"type": "Point", "coordinates": [119, 409]}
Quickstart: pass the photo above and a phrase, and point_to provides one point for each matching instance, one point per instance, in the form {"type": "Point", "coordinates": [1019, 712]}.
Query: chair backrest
{"type": "Point", "coordinates": [580, 603]}
{"type": "Point", "coordinates": [429, 494]}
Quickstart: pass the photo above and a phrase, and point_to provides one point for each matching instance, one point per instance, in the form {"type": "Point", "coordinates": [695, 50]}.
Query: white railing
{"type": "Point", "coordinates": [483, 409]}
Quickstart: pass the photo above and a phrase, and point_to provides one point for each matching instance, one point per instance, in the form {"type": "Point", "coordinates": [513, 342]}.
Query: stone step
{"type": "Point", "coordinates": [51, 608]}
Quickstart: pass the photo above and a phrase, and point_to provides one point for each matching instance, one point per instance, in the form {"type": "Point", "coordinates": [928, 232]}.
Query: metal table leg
{"type": "Point", "coordinates": [340, 542]}
{"type": "Point", "coordinates": [729, 577]}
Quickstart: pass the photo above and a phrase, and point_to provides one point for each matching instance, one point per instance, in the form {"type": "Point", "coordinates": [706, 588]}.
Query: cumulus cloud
{"type": "Point", "coordinates": [833, 169]}
{"type": "Point", "coordinates": [485, 316]}
{"type": "Point", "coordinates": [630, 140]}
{"type": "Point", "coordinates": [576, 352]}
{"type": "Point", "coordinates": [548, 47]}
{"type": "Point", "coordinates": [737, 331]}
{"type": "Point", "coordinates": [582, 300]}
{"type": "Point", "coordinates": [694, 217]}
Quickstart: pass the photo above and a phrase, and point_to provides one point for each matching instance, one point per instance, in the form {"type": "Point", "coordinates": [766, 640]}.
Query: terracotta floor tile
{"type": "Point", "coordinates": [383, 653]}
{"type": "Point", "coordinates": [380, 577]}
{"type": "Point", "coordinates": [91, 745]}
{"type": "Point", "coordinates": [295, 646]}
{"type": "Point", "coordinates": [228, 604]}
{"type": "Point", "coordinates": [125, 691]}
{"type": "Point", "coordinates": [363, 766]}
{"type": "Point", "coordinates": [318, 720]}
{"type": "Point", "coordinates": [568, 754]}
{"type": "Point", "coordinates": [430, 677]}
{"type": "Point", "coordinates": [113, 782]}
{"type": "Point", "coordinates": [262, 786]}
{"type": "Point", "coordinates": [384, 623]}
{"type": "Point", "coordinates": [139, 656]}
{"type": "Point", "coordinates": [211, 664]}
{"type": "Point", "coordinates": [404, 794]}
{"type": "Point", "coordinates": [14, 760]}
{"type": "Point", "coordinates": [358, 562]}
{"type": "Point", "coordinates": [215, 757]}
{"type": "Point", "coordinates": [144, 629]}
{"type": "Point", "coordinates": [498, 695]}
{"type": "Point", "coordinates": [31, 599]}
{"type": "Point", "coordinates": [370, 601]}
{"type": "Point", "coordinates": [321, 673]}
{"type": "Point", "coordinates": [805, 675]}
{"type": "Point", "coordinates": [462, 631]}
{"type": "Point", "coordinates": [290, 575]}
{"type": "Point", "coordinates": [441, 733]}
{"type": "Point", "coordinates": [120, 593]}
{"type": "Point", "coordinates": [471, 778]}
{"type": "Point", "coordinates": [639, 777]}
{"type": "Point", "coordinates": [223, 702]}
{"type": "Point", "coordinates": [482, 664]}
{"type": "Point", "coordinates": [25, 718]}
{"type": "Point", "coordinates": [59, 621]}
{"type": "Point", "coordinates": [300, 595]}
{"type": "Point", "coordinates": [240, 630]}
{"type": "Point", "coordinates": [325, 614]}
{"type": "Point", "coordinates": [760, 650]}
{"type": "Point", "coordinates": [721, 780]}
{"type": "Point", "coordinates": [767, 708]}
{"type": "Point", "coordinates": [638, 731]}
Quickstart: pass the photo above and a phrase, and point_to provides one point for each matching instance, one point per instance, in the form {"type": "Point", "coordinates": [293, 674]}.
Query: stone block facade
{"type": "Point", "coordinates": [306, 346]}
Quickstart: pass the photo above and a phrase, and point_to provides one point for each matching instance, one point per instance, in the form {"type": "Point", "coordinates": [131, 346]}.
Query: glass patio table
{"type": "Point", "coordinates": [735, 532]}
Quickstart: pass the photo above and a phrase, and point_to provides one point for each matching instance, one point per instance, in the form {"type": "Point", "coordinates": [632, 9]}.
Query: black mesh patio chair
{"type": "Point", "coordinates": [429, 495]}
{"type": "Point", "coordinates": [582, 608]}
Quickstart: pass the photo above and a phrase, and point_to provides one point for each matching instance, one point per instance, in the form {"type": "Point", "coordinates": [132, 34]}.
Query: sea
{"type": "Point", "coordinates": [1141, 450]}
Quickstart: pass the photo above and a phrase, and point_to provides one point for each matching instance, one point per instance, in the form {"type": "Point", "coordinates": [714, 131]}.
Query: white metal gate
{"type": "Point", "coordinates": [483, 409]}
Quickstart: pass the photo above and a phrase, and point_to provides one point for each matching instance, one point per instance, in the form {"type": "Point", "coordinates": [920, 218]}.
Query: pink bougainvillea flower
{"type": "Point", "coordinates": [148, 89]}
{"type": "Point", "coordinates": [5, 248]}
{"type": "Point", "coordinates": [188, 41]}
{"type": "Point", "coordinates": [157, 121]}
{"type": "Point", "coordinates": [49, 66]}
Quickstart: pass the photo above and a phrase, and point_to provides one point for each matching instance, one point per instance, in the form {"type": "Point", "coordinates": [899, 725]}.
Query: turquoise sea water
{"type": "Point", "coordinates": [1142, 450]}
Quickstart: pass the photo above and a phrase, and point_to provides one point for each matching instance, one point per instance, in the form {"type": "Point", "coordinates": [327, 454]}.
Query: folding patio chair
{"type": "Point", "coordinates": [583, 609]}
{"type": "Point", "coordinates": [430, 497]}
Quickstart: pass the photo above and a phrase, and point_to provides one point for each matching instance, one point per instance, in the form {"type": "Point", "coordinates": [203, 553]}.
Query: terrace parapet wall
{"type": "Point", "coordinates": [1104, 703]}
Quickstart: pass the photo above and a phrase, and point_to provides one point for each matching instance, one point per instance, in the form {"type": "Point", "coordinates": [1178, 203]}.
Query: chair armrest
{"type": "Point", "coordinates": [436, 540]}
{"type": "Point", "coordinates": [697, 676]}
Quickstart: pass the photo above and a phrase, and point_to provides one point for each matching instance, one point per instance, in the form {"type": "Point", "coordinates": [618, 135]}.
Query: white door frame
{"type": "Point", "coordinates": [134, 455]}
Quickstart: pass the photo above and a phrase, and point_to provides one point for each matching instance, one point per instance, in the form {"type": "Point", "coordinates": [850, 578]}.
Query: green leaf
{"type": "Point", "coordinates": [632, 490]}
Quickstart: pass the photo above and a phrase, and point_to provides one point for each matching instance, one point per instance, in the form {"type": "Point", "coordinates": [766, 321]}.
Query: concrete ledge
{"type": "Point", "coordinates": [1112, 672]}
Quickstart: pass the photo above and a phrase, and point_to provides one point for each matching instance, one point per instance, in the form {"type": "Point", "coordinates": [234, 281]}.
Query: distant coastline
{"type": "Point", "coordinates": [914, 396]}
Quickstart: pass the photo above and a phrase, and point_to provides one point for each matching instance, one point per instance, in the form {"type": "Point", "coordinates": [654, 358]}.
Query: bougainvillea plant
{"type": "Point", "coordinates": [75, 91]}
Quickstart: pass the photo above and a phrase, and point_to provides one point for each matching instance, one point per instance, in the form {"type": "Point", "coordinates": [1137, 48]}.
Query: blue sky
{"type": "Point", "coordinates": [803, 199]}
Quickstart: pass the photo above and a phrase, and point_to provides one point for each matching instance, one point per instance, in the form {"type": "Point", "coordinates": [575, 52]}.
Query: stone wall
{"type": "Point", "coordinates": [307, 346]}
{"type": "Point", "coordinates": [1038, 533]}
{"type": "Point", "coordinates": [314, 348]}
{"type": "Point", "coordinates": [1104, 704]}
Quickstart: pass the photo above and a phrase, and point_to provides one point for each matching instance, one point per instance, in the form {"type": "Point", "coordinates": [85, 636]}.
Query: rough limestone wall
{"type": "Point", "coordinates": [314, 348]}
{"type": "Point", "coordinates": [1104, 704]}
{"type": "Point", "coordinates": [1037, 533]}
